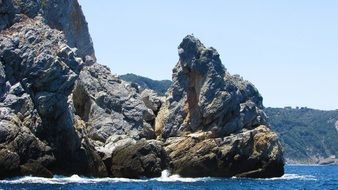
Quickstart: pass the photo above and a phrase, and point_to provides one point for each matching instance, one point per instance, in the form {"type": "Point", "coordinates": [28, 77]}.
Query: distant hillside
{"type": "Point", "coordinates": [306, 134]}
{"type": "Point", "coordinates": [159, 86]}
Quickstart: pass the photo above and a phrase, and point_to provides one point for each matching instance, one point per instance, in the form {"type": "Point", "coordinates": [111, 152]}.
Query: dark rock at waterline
{"type": "Point", "coordinates": [35, 169]}
{"type": "Point", "coordinates": [253, 153]}
{"type": "Point", "coordinates": [141, 159]}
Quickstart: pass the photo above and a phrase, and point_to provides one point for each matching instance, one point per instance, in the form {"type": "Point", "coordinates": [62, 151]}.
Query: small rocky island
{"type": "Point", "coordinates": [61, 113]}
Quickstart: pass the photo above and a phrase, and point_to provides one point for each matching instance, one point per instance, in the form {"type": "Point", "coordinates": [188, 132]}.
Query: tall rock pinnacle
{"type": "Point", "coordinates": [212, 122]}
{"type": "Point", "coordinates": [204, 96]}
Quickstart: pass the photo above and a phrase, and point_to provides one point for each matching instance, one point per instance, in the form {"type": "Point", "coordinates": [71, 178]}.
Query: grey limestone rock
{"type": "Point", "coordinates": [204, 96]}
{"type": "Point", "coordinates": [251, 153]}
{"type": "Point", "coordinates": [64, 15]}
{"type": "Point", "coordinates": [67, 16]}
{"type": "Point", "coordinates": [38, 72]}
{"type": "Point", "coordinates": [18, 145]}
{"type": "Point", "coordinates": [110, 106]}
{"type": "Point", "coordinates": [212, 122]}
{"type": "Point", "coordinates": [152, 100]}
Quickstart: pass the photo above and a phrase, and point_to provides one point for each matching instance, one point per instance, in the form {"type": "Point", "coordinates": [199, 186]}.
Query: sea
{"type": "Point", "coordinates": [296, 177]}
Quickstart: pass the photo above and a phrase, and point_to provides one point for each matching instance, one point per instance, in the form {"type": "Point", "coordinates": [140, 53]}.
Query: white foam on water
{"type": "Point", "coordinates": [295, 177]}
{"type": "Point", "coordinates": [311, 165]}
{"type": "Point", "coordinates": [167, 177]}
{"type": "Point", "coordinates": [66, 180]}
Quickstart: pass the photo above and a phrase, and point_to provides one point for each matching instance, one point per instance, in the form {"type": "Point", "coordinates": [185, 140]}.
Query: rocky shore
{"type": "Point", "coordinates": [61, 113]}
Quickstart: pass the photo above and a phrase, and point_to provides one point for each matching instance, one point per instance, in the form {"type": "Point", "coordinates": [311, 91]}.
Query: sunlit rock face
{"type": "Point", "coordinates": [213, 123]}
{"type": "Point", "coordinates": [204, 96]}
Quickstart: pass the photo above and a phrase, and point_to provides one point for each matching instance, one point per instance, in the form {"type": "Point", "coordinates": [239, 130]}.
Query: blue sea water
{"type": "Point", "coordinates": [296, 177]}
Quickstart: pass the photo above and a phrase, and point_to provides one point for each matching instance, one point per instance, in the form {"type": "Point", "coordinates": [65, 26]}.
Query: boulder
{"type": "Point", "coordinates": [253, 153]}
{"type": "Point", "coordinates": [140, 159]}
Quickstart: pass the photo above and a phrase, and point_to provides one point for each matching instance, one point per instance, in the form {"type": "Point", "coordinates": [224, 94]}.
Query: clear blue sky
{"type": "Point", "coordinates": [287, 48]}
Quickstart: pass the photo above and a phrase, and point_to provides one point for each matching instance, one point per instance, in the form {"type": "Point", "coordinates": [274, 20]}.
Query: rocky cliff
{"type": "Point", "coordinates": [63, 113]}
{"type": "Point", "coordinates": [39, 66]}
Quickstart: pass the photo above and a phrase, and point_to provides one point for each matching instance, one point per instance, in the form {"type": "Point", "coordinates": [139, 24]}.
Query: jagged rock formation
{"type": "Point", "coordinates": [205, 97]}
{"type": "Point", "coordinates": [217, 118]}
{"type": "Point", "coordinates": [112, 106]}
{"type": "Point", "coordinates": [301, 130]}
{"type": "Point", "coordinates": [63, 113]}
{"type": "Point", "coordinates": [113, 112]}
{"type": "Point", "coordinates": [64, 15]}
{"type": "Point", "coordinates": [38, 72]}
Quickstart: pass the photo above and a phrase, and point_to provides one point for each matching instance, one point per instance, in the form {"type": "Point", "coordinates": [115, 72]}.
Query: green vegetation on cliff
{"type": "Point", "coordinates": [159, 86]}
{"type": "Point", "coordinates": [306, 134]}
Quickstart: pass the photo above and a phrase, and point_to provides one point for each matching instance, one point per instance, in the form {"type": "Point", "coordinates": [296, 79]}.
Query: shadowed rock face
{"type": "Point", "coordinates": [62, 113]}
{"type": "Point", "coordinates": [38, 71]}
{"type": "Point", "coordinates": [213, 123]}
{"type": "Point", "coordinates": [140, 159]}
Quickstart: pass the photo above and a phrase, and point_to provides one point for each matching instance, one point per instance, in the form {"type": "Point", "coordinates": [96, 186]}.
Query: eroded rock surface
{"type": "Point", "coordinates": [204, 96]}
{"type": "Point", "coordinates": [63, 113]}
{"type": "Point", "coordinates": [64, 15]}
{"type": "Point", "coordinates": [38, 70]}
{"type": "Point", "coordinates": [110, 106]}
{"type": "Point", "coordinates": [253, 153]}
{"type": "Point", "coordinates": [212, 122]}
